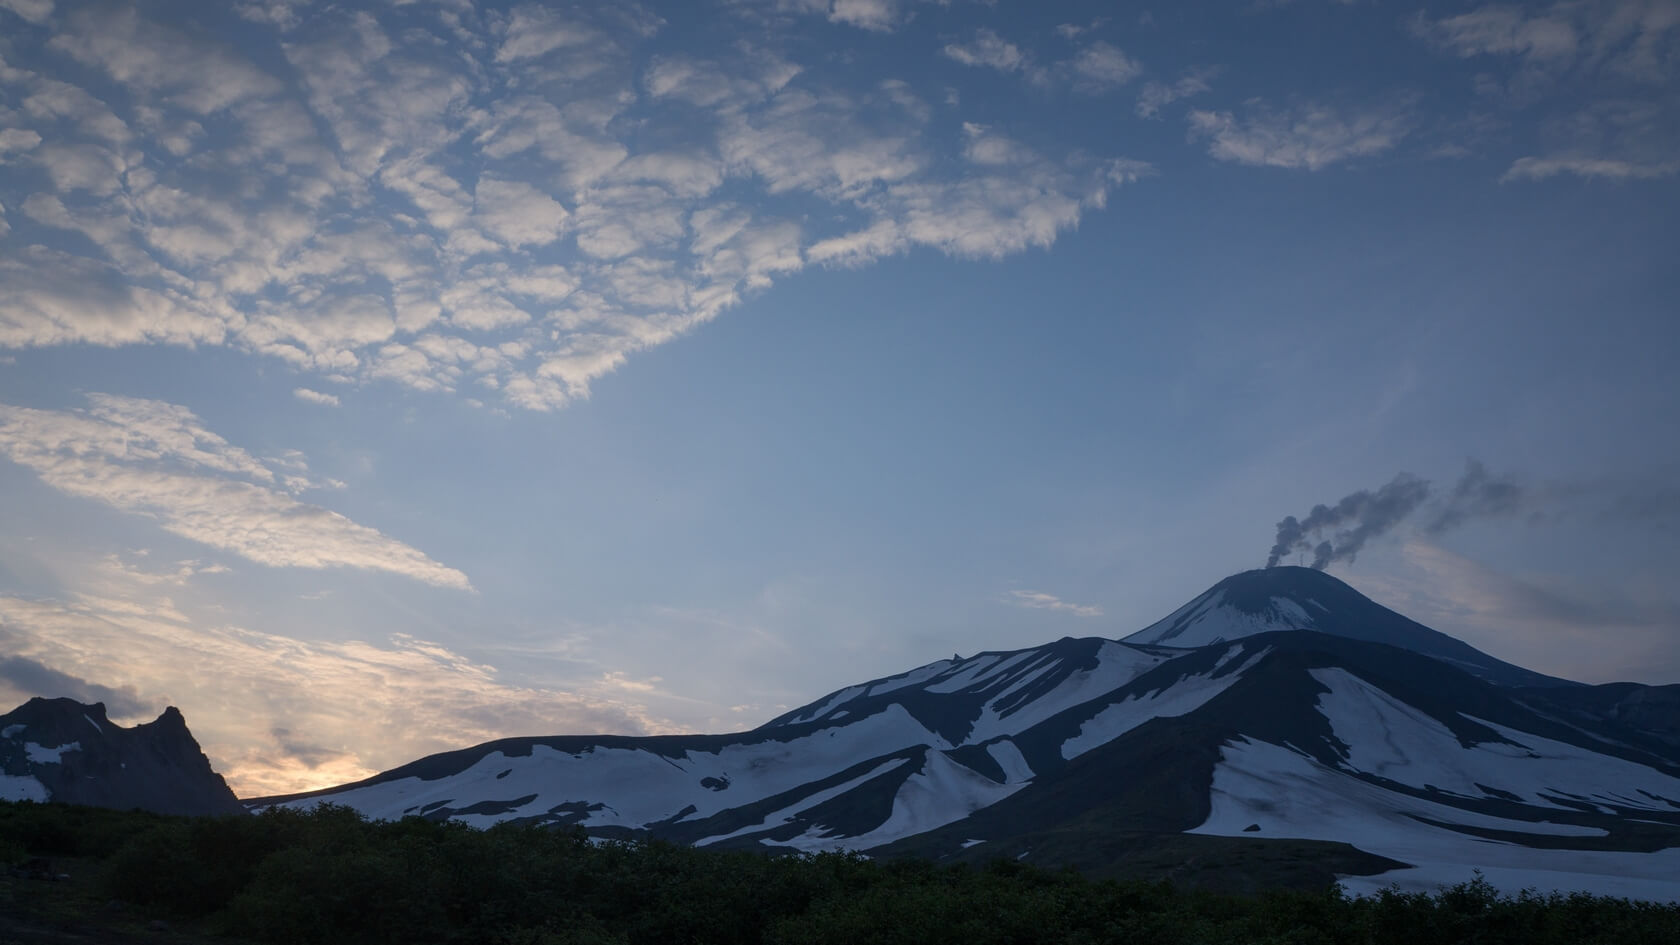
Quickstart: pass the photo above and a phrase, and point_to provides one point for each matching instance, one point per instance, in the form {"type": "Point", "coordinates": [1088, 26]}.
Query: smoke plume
{"type": "Point", "coordinates": [1477, 495]}
{"type": "Point", "coordinates": [1337, 532]}
{"type": "Point", "coordinates": [1341, 530]}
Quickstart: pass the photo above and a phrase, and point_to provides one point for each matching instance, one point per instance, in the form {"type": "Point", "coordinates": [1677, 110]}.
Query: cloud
{"type": "Point", "coordinates": [26, 678]}
{"type": "Point", "coordinates": [278, 714]}
{"type": "Point", "coordinates": [368, 195]}
{"type": "Point", "coordinates": [877, 15]}
{"type": "Point", "coordinates": [987, 50]}
{"type": "Point", "coordinates": [155, 459]}
{"type": "Point", "coordinates": [1547, 622]}
{"type": "Point", "coordinates": [1502, 30]}
{"type": "Point", "coordinates": [1042, 601]}
{"type": "Point", "coordinates": [1102, 67]}
{"type": "Point", "coordinates": [1307, 136]}
{"type": "Point", "coordinates": [1536, 168]}
{"type": "Point", "coordinates": [1598, 74]}
{"type": "Point", "coordinates": [34, 11]}
{"type": "Point", "coordinates": [315, 397]}
{"type": "Point", "coordinates": [1157, 95]}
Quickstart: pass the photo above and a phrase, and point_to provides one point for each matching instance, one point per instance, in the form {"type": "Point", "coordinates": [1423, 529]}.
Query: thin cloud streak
{"type": "Point", "coordinates": [1042, 601]}
{"type": "Point", "coordinates": [156, 459]}
{"type": "Point", "coordinates": [277, 714]}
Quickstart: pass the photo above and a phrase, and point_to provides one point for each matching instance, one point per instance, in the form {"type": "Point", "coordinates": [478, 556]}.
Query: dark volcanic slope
{"type": "Point", "coordinates": [62, 750]}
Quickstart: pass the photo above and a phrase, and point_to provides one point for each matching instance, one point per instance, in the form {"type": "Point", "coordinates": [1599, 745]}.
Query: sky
{"type": "Point", "coordinates": [379, 378]}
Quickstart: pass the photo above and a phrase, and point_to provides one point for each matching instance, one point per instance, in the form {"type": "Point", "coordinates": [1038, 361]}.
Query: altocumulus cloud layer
{"type": "Point", "coordinates": [156, 459]}
{"type": "Point", "coordinates": [501, 202]}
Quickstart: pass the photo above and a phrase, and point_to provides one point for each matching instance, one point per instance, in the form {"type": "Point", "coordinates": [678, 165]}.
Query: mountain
{"type": "Point", "coordinates": [1359, 744]}
{"type": "Point", "coordinates": [1292, 598]}
{"type": "Point", "coordinates": [62, 750]}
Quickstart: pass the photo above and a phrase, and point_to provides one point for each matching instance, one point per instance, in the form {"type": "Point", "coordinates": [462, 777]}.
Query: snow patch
{"type": "Point", "coordinates": [1393, 740]}
{"type": "Point", "coordinates": [22, 788]}
{"type": "Point", "coordinates": [970, 843]}
{"type": "Point", "coordinates": [1292, 612]}
{"type": "Point", "coordinates": [1209, 620]}
{"type": "Point", "coordinates": [91, 722]}
{"type": "Point", "coordinates": [787, 814]}
{"type": "Point", "coordinates": [1185, 695]}
{"type": "Point", "coordinates": [640, 786]}
{"type": "Point", "coordinates": [1117, 665]}
{"type": "Point", "coordinates": [1010, 759]}
{"type": "Point", "coordinates": [943, 792]}
{"type": "Point", "coordinates": [12, 731]}
{"type": "Point", "coordinates": [42, 755]}
{"type": "Point", "coordinates": [1290, 795]}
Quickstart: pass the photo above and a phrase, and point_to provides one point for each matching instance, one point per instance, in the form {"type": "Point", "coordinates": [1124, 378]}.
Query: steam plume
{"type": "Point", "coordinates": [1344, 528]}
{"type": "Point", "coordinates": [1338, 532]}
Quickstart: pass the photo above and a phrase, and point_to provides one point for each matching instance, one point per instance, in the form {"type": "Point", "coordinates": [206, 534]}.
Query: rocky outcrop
{"type": "Point", "coordinates": [63, 750]}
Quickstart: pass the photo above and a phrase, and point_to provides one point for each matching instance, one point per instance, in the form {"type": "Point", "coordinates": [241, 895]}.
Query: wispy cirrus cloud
{"type": "Point", "coordinates": [158, 460]}
{"type": "Point", "coordinates": [1039, 600]}
{"type": "Point", "coordinates": [509, 206]}
{"type": "Point", "coordinates": [276, 713]}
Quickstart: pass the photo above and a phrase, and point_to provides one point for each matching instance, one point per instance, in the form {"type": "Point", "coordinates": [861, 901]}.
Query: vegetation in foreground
{"type": "Point", "coordinates": [331, 876]}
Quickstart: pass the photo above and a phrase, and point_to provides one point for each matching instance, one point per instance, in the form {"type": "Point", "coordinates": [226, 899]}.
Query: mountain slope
{"type": "Point", "coordinates": [1302, 753]}
{"type": "Point", "coordinates": [1292, 598]}
{"type": "Point", "coordinates": [62, 750]}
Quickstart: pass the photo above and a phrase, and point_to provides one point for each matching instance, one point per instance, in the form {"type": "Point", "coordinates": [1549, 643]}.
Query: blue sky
{"type": "Point", "coordinates": [379, 378]}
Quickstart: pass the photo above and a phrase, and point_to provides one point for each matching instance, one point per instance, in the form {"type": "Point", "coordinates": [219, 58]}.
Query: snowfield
{"type": "Point", "coordinates": [1290, 795]}
{"type": "Point", "coordinates": [1393, 740]}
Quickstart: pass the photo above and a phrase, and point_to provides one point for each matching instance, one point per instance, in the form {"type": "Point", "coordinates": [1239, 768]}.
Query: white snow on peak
{"type": "Point", "coordinates": [12, 731]}
{"type": "Point", "coordinates": [1209, 619]}
{"type": "Point", "coordinates": [1181, 697]}
{"type": "Point", "coordinates": [42, 755]}
{"type": "Point", "coordinates": [1291, 613]}
{"type": "Point", "coordinates": [1393, 740]}
{"type": "Point", "coordinates": [1287, 794]}
{"type": "Point", "coordinates": [91, 722]}
{"type": "Point", "coordinates": [22, 788]}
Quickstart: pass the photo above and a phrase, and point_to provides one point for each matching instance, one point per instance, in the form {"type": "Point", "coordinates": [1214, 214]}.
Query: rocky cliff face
{"type": "Point", "coordinates": [63, 750]}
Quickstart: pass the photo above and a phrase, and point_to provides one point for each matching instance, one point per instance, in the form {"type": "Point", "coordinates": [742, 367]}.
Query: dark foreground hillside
{"type": "Point", "coordinates": [83, 875]}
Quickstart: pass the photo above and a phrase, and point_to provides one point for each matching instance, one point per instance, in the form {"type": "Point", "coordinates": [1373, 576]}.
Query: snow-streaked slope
{"type": "Point", "coordinates": [635, 787]}
{"type": "Point", "coordinates": [944, 791]}
{"type": "Point", "coordinates": [1395, 738]}
{"type": "Point", "coordinates": [1211, 619]}
{"type": "Point", "coordinates": [988, 695]}
{"type": "Point", "coordinates": [1185, 695]}
{"type": "Point", "coordinates": [1392, 740]}
{"type": "Point", "coordinates": [1287, 598]}
{"type": "Point", "coordinates": [1287, 794]}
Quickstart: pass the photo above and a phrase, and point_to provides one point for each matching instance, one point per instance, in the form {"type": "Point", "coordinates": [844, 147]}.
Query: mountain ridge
{"type": "Point", "coordinates": [1313, 753]}
{"type": "Point", "coordinates": [67, 751]}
